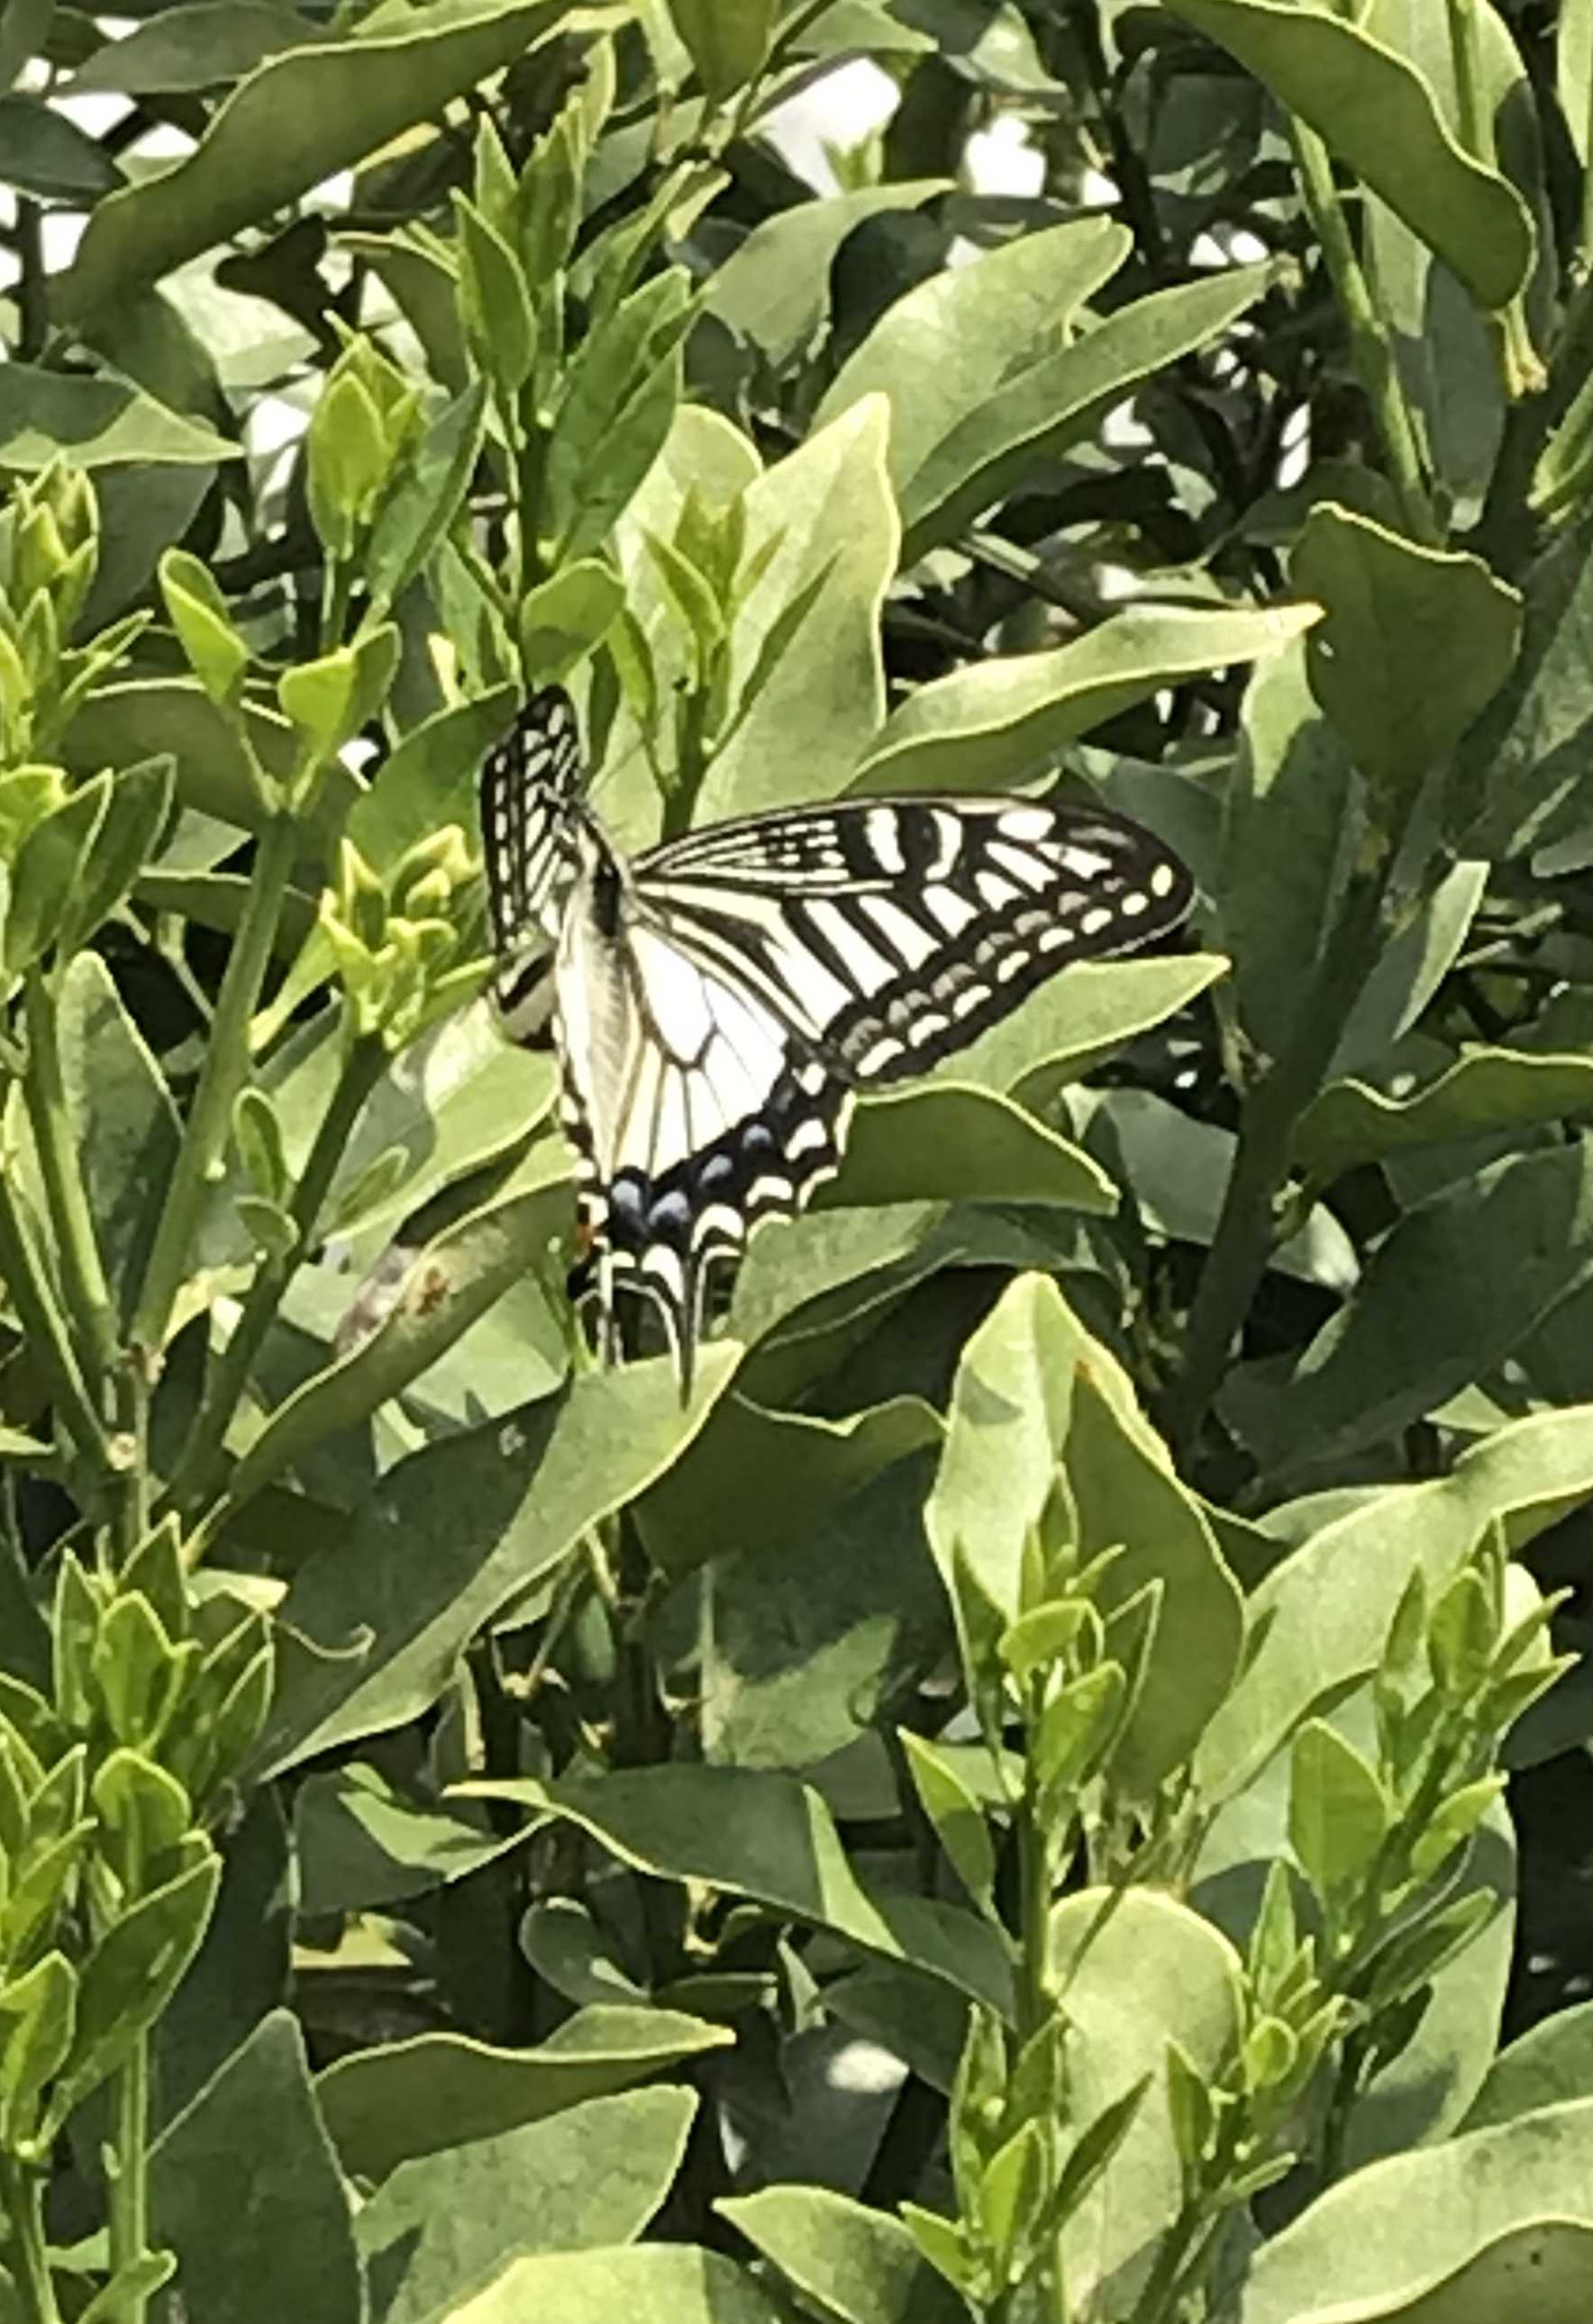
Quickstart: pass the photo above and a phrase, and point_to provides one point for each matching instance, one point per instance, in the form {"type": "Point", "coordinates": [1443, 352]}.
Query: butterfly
{"type": "Point", "coordinates": [719, 1000]}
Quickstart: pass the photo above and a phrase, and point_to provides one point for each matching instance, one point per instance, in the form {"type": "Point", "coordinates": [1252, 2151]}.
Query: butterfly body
{"type": "Point", "coordinates": [719, 1000]}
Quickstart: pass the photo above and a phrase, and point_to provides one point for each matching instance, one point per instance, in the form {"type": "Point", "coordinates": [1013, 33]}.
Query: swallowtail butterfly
{"type": "Point", "coordinates": [718, 1000]}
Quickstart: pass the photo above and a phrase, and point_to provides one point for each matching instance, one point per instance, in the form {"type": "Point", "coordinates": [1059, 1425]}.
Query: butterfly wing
{"type": "Point", "coordinates": [719, 1000]}
{"type": "Point", "coordinates": [887, 934]}
{"type": "Point", "coordinates": [530, 790]}
{"type": "Point", "coordinates": [694, 1109]}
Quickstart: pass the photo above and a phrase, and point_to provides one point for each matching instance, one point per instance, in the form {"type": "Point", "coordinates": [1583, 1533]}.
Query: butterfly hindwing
{"type": "Point", "coordinates": [719, 1000]}
{"type": "Point", "coordinates": [694, 1111]}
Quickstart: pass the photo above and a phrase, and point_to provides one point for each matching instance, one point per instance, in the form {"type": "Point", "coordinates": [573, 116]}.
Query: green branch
{"type": "Point", "coordinates": [55, 1138]}
{"type": "Point", "coordinates": [44, 1329]}
{"type": "Point", "coordinates": [196, 1479]}
{"type": "Point", "coordinates": [1370, 346]}
{"type": "Point", "coordinates": [1246, 1229]}
{"type": "Point", "coordinates": [225, 1070]}
{"type": "Point", "coordinates": [21, 2196]}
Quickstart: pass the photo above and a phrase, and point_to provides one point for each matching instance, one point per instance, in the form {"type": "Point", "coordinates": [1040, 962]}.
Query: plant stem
{"type": "Point", "coordinates": [33, 288]}
{"type": "Point", "coordinates": [83, 1277]}
{"type": "Point", "coordinates": [21, 2193]}
{"type": "Point", "coordinates": [1368, 338]}
{"type": "Point", "coordinates": [1035, 2001]}
{"type": "Point", "coordinates": [227, 1064]}
{"type": "Point", "coordinates": [46, 1331]}
{"type": "Point", "coordinates": [195, 1480]}
{"type": "Point", "coordinates": [1245, 1230]}
{"type": "Point", "coordinates": [129, 2194]}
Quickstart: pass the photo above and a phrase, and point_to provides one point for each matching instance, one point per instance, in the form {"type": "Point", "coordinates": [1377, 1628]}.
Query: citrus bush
{"type": "Point", "coordinates": [1005, 1802]}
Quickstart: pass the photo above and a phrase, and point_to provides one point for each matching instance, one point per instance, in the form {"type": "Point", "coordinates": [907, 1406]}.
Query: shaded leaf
{"type": "Point", "coordinates": [438, 2091]}
{"type": "Point", "coordinates": [589, 2176]}
{"type": "Point", "coordinates": [250, 2149]}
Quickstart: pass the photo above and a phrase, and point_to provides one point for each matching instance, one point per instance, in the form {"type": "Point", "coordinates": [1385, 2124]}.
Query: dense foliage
{"type": "Point", "coordinates": [1005, 1805]}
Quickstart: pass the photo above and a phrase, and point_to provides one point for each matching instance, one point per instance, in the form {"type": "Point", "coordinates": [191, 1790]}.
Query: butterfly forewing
{"type": "Point", "coordinates": [530, 785]}
{"type": "Point", "coordinates": [889, 934]}
{"type": "Point", "coordinates": [719, 1000]}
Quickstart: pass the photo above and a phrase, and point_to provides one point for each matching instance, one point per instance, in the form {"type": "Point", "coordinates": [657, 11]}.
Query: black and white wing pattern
{"type": "Point", "coordinates": [721, 999]}
{"type": "Point", "coordinates": [530, 787]}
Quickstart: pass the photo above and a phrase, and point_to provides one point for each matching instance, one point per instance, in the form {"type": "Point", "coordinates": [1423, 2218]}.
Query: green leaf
{"type": "Point", "coordinates": [290, 2248]}
{"type": "Point", "coordinates": [1034, 1392]}
{"type": "Point", "coordinates": [144, 1813]}
{"type": "Point", "coordinates": [345, 98]}
{"type": "Point", "coordinates": [1453, 1824]}
{"type": "Point", "coordinates": [649, 2283]}
{"type": "Point", "coordinates": [823, 1600]}
{"type": "Point", "coordinates": [37, 2015]}
{"type": "Point", "coordinates": [132, 1973]}
{"type": "Point", "coordinates": [142, 718]}
{"type": "Point", "coordinates": [1459, 1282]}
{"type": "Point", "coordinates": [986, 455]}
{"type": "Point", "coordinates": [1288, 848]}
{"type": "Point", "coordinates": [1379, 116]}
{"type": "Point", "coordinates": [455, 1531]}
{"type": "Point", "coordinates": [829, 507]}
{"type": "Point", "coordinates": [347, 457]}
{"type": "Point", "coordinates": [1484, 1091]}
{"type": "Point", "coordinates": [1410, 968]}
{"type": "Point", "coordinates": [1549, 2063]}
{"type": "Point", "coordinates": [461, 1096]}
{"type": "Point", "coordinates": [1321, 1617]}
{"type": "Point", "coordinates": [774, 288]}
{"type": "Point", "coordinates": [329, 699]}
{"type": "Point", "coordinates": [1390, 2241]}
{"type": "Point", "coordinates": [423, 286]}
{"type": "Point", "coordinates": [944, 349]}
{"type": "Point", "coordinates": [438, 2091]}
{"type": "Point", "coordinates": [122, 1115]}
{"type": "Point", "coordinates": [43, 153]}
{"type": "Point", "coordinates": [25, 29]}
{"type": "Point", "coordinates": [780, 1468]}
{"type": "Point", "coordinates": [200, 47]}
{"type": "Point", "coordinates": [361, 1844]}
{"type": "Point", "coordinates": [564, 1945]}
{"type": "Point", "coordinates": [766, 1836]}
{"type": "Point", "coordinates": [1178, 1171]}
{"type": "Point", "coordinates": [858, 2265]}
{"type": "Point", "coordinates": [448, 1287]}
{"type": "Point", "coordinates": [1135, 1970]}
{"type": "Point", "coordinates": [1339, 1812]}
{"type": "Point", "coordinates": [956, 1816]}
{"type": "Point", "coordinates": [1416, 643]}
{"type": "Point", "coordinates": [441, 2224]}
{"type": "Point", "coordinates": [95, 423]}
{"type": "Point", "coordinates": [566, 617]}
{"type": "Point", "coordinates": [1012, 2194]}
{"type": "Point", "coordinates": [998, 723]}
{"type": "Point", "coordinates": [414, 517]}
{"type": "Point", "coordinates": [615, 415]}
{"type": "Point", "coordinates": [728, 45]}
{"type": "Point", "coordinates": [135, 815]}
{"type": "Point", "coordinates": [961, 1144]}
{"type": "Point", "coordinates": [49, 869]}
{"type": "Point", "coordinates": [198, 612]}
{"type": "Point", "coordinates": [1525, 759]}
{"type": "Point", "coordinates": [495, 301]}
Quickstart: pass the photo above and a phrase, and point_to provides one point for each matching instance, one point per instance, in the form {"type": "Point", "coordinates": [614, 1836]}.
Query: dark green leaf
{"type": "Point", "coordinates": [289, 2246]}
{"type": "Point", "coordinates": [346, 98]}
{"type": "Point", "coordinates": [1380, 116]}
{"type": "Point", "coordinates": [442, 2225]}
{"type": "Point", "coordinates": [438, 2090]}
